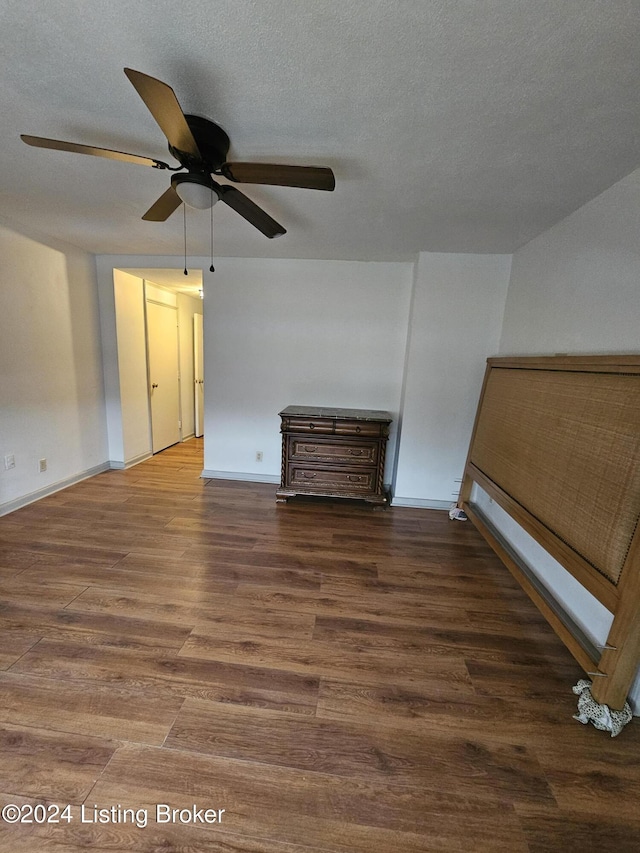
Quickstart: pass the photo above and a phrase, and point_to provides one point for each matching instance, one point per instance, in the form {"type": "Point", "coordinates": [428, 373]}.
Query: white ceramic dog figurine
{"type": "Point", "coordinates": [601, 716]}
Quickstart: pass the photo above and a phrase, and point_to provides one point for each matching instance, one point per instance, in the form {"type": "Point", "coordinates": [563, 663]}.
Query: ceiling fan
{"type": "Point", "coordinates": [201, 147]}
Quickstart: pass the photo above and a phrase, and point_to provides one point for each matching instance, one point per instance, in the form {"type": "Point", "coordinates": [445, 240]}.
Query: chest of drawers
{"type": "Point", "coordinates": [337, 453]}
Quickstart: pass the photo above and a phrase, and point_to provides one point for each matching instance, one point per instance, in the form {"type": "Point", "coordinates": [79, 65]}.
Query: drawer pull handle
{"type": "Point", "coordinates": [308, 476]}
{"type": "Point", "coordinates": [358, 429]}
{"type": "Point", "coordinates": [356, 452]}
{"type": "Point", "coordinates": [312, 426]}
{"type": "Point", "coordinates": [354, 479]}
{"type": "Point", "coordinates": [310, 449]}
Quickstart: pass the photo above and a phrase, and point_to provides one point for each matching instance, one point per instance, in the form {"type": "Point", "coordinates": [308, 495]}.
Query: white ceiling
{"type": "Point", "coordinates": [451, 125]}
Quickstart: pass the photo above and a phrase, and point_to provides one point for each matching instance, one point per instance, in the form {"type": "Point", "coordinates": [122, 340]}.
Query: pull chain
{"type": "Point", "coordinates": [212, 268]}
{"type": "Point", "coordinates": [184, 219]}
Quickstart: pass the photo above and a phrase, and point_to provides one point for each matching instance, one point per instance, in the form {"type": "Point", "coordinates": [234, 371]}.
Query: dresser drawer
{"type": "Point", "coordinates": [325, 450]}
{"type": "Point", "coordinates": [310, 425]}
{"type": "Point", "coordinates": [331, 479]}
{"type": "Point", "coordinates": [360, 428]}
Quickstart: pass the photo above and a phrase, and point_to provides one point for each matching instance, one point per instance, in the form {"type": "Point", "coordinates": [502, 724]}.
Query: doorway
{"type": "Point", "coordinates": [143, 419]}
{"type": "Point", "coordinates": [164, 375]}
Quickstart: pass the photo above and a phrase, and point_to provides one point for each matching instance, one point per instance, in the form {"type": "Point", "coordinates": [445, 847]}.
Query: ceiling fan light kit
{"type": "Point", "coordinates": [195, 189]}
{"type": "Point", "coordinates": [201, 148]}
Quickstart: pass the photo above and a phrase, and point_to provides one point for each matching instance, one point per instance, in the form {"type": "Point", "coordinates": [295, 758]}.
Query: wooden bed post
{"type": "Point", "coordinates": [620, 656]}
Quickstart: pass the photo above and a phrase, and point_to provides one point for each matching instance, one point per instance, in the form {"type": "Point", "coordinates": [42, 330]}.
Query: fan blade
{"type": "Point", "coordinates": [163, 207]}
{"type": "Point", "coordinates": [308, 177]}
{"type": "Point", "coordinates": [76, 148]}
{"type": "Point", "coordinates": [163, 105]}
{"type": "Point", "coordinates": [251, 212]}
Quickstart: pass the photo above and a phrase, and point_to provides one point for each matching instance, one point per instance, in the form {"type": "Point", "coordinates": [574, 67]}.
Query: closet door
{"type": "Point", "coordinates": [198, 374]}
{"type": "Point", "coordinates": [164, 381]}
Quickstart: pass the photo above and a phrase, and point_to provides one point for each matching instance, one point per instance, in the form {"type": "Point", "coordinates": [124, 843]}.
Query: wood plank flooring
{"type": "Point", "coordinates": [336, 679]}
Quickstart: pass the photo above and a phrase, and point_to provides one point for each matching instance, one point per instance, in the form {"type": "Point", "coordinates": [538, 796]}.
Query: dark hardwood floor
{"type": "Point", "coordinates": [335, 678]}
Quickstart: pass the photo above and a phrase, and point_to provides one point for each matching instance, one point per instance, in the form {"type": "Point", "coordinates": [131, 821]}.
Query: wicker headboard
{"type": "Point", "coordinates": [556, 444]}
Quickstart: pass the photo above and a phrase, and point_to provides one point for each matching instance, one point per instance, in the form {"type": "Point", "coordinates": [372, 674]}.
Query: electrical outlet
{"type": "Point", "coordinates": [9, 462]}
{"type": "Point", "coordinates": [258, 456]}
{"type": "Point", "coordinates": [42, 465]}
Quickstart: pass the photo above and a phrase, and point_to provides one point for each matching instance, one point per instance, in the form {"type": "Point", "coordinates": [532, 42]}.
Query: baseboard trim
{"type": "Point", "coordinates": [121, 466]}
{"type": "Point", "coordinates": [240, 475]}
{"type": "Point", "coordinates": [421, 503]}
{"type": "Point", "coordinates": [52, 488]}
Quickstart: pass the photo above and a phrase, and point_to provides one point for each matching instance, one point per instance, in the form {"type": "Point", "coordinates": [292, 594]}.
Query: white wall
{"type": "Point", "coordinates": [576, 289]}
{"type": "Point", "coordinates": [281, 332]}
{"type": "Point", "coordinates": [51, 388]}
{"type": "Point", "coordinates": [132, 367]}
{"type": "Point", "coordinates": [456, 319]}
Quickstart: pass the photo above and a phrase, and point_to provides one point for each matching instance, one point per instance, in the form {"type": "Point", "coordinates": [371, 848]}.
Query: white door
{"type": "Point", "coordinates": [198, 373]}
{"type": "Point", "coordinates": [164, 382]}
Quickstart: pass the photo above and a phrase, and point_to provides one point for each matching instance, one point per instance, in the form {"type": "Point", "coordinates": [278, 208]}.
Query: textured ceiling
{"type": "Point", "coordinates": [451, 126]}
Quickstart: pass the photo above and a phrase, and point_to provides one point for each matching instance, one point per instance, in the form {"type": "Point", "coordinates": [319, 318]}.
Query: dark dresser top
{"type": "Point", "coordinates": [336, 414]}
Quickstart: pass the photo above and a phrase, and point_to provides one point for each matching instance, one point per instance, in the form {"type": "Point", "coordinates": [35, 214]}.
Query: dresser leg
{"type": "Point", "coordinates": [379, 502]}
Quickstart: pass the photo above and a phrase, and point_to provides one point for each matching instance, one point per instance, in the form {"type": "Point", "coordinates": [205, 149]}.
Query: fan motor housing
{"type": "Point", "coordinates": [213, 144]}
